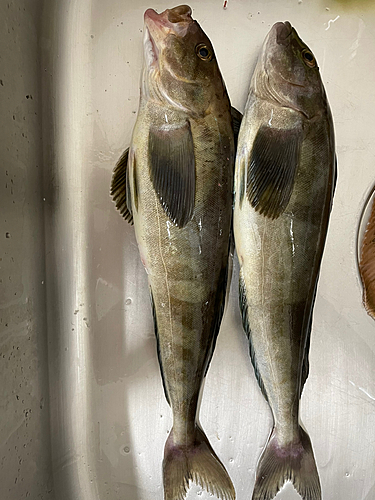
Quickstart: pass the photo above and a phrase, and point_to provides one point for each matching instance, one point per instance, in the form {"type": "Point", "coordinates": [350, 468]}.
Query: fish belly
{"type": "Point", "coordinates": [280, 260]}
{"type": "Point", "coordinates": [187, 272]}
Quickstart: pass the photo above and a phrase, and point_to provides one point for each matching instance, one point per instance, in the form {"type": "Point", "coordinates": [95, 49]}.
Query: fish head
{"type": "Point", "coordinates": [180, 67]}
{"type": "Point", "coordinates": [289, 71]}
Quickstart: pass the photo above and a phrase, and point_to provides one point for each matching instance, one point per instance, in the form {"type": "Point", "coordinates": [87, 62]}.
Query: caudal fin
{"type": "Point", "coordinates": [198, 463]}
{"type": "Point", "coordinates": [294, 462]}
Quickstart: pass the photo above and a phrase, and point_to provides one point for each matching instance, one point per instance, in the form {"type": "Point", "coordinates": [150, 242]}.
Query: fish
{"type": "Point", "coordinates": [285, 176]}
{"type": "Point", "coordinates": [175, 184]}
{"type": "Point", "coordinates": [367, 265]}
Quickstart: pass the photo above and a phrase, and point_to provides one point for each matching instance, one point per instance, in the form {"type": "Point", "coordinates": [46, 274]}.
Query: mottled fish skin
{"type": "Point", "coordinates": [367, 264]}
{"type": "Point", "coordinates": [182, 225]}
{"type": "Point", "coordinates": [284, 183]}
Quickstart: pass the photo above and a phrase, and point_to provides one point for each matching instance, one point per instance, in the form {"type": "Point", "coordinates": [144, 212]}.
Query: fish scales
{"type": "Point", "coordinates": [284, 183]}
{"type": "Point", "coordinates": [280, 273]}
{"type": "Point", "coordinates": [186, 266]}
{"type": "Point", "coordinates": [179, 192]}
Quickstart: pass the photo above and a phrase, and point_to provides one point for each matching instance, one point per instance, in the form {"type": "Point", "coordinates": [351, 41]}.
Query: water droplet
{"type": "Point", "coordinates": [124, 450]}
{"type": "Point", "coordinates": [231, 460]}
{"type": "Point", "coordinates": [128, 301]}
{"type": "Point", "coordinates": [347, 474]}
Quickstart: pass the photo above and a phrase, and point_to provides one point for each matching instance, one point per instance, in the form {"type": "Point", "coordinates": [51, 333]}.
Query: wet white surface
{"type": "Point", "coordinates": [109, 416]}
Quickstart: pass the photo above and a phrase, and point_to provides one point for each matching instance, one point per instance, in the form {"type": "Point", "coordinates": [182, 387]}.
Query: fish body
{"type": "Point", "coordinates": [367, 264]}
{"type": "Point", "coordinates": [179, 190]}
{"type": "Point", "coordinates": [284, 185]}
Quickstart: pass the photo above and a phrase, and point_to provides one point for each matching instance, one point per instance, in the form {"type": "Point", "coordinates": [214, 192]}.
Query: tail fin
{"type": "Point", "coordinates": [295, 463]}
{"type": "Point", "coordinates": [198, 463]}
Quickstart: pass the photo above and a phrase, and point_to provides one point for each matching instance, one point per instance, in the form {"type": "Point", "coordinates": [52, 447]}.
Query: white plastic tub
{"type": "Point", "coordinates": [109, 418]}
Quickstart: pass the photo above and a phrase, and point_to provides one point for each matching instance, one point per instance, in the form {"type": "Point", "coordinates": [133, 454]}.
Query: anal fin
{"type": "Point", "coordinates": [219, 298]}
{"type": "Point", "coordinates": [158, 347]}
{"type": "Point", "coordinates": [246, 327]}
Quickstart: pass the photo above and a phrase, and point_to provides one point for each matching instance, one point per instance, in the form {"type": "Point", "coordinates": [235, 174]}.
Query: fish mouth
{"type": "Point", "coordinates": [174, 21]}
{"type": "Point", "coordinates": [179, 14]}
{"type": "Point", "coordinates": [283, 32]}
{"type": "Point", "coordinates": [283, 35]}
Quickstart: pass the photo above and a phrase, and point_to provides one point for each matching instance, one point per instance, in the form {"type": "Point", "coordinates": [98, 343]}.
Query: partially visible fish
{"type": "Point", "coordinates": [176, 184]}
{"type": "Point", "coordinates": [367, 264]}
{"type": "Point", "coordinates": [284, 183]}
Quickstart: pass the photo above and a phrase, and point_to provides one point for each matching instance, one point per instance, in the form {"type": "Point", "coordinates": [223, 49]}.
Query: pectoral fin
{"type": "Point", "coordinates": [271, 170]}
{"type": "Point", "coordinates": [120, 190]}
{"type": "Point", "coordinates": [172, 171]}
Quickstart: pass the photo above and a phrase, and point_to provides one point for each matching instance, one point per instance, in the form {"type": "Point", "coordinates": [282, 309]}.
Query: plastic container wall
{"type": "Point", "coordinates": [25, 443]}
{"type": "Point", "coordinates": [109, 417]}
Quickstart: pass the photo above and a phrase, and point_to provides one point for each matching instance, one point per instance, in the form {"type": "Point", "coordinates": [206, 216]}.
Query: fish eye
{"type": "Point", "coordinates": [308, 58]}
{"type": "Point", "coordinates": [203, 52]}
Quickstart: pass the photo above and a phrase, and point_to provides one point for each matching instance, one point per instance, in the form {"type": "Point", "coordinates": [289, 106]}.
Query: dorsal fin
{"type": "Point", "coordinates": [236, 123]}
{"type": "Point", "coordinates": [120, 190]}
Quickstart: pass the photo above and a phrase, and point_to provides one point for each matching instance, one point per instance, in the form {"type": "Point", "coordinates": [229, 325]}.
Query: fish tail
{"type": "Point", "coordinates": [196, 462]}
{"type": "Point", "coordinates": [294, 462]}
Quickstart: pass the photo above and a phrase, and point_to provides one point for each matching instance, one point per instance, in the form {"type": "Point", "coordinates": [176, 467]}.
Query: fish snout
{"type": "Point", "coordinates": [283, 32]}
{"type": "Point", "coordinates": [179, 14]}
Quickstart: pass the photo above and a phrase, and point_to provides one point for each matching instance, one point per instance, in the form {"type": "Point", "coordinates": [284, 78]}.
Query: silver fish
{"type": "Point", "coordinates": [284, 183]}
{"type": "Point", "coordinates": [176, 184]}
